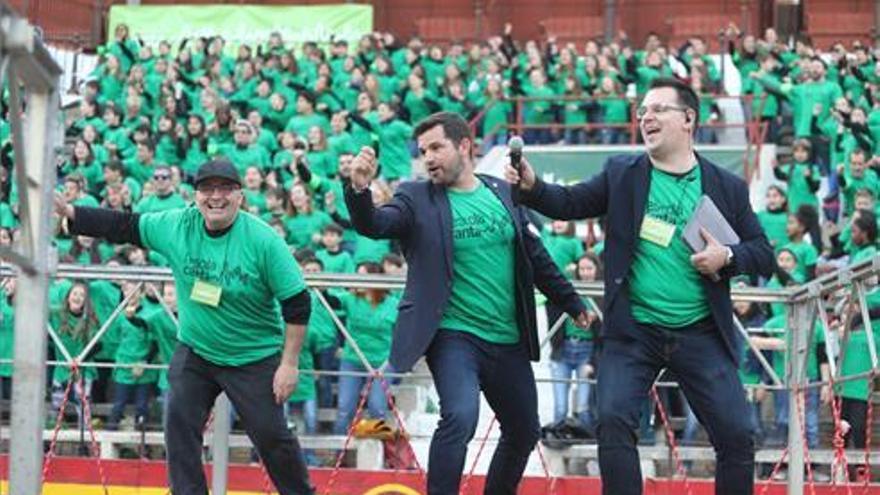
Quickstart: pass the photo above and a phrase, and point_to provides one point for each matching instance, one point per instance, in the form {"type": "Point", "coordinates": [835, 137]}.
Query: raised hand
{"type": "Point", "coordinates": [363, 168]}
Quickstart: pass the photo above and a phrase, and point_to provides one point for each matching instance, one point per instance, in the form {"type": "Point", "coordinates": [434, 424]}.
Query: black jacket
{"type": "Point", "coordinates": [619, 193]}
{"type": "Point", "coordinates": [419, 216]}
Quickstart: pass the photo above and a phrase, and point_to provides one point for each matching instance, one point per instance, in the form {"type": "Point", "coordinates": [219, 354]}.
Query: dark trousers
{"type": "Point", "coordinates": [708, 377]}
{"type": "Point", "coordinates": [462, 365]}
{"type": "Point", "coordinates": [124, 394]}
{"type": "Point", "coordinates": [855, 412]}
{"type": "Point", "coordinates": [194, 385]}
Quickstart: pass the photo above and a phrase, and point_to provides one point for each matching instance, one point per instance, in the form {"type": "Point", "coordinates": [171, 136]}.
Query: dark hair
{"type": "Point", "coordinates": [454, 126]}
{"type": "Point", "coordinates": [334, 228]}
{"type": "Point", "coordinates": [313, 259]}
{"type": "Point", "coordinates": [807, 215]}
{"type": "Point", "coordinates": [858, 151]}
{"type": "Point", "coordinates": [393, 258]}
{"type": "Point", "coordinates": [597, 262]}
{"type": "Point", "coordinates": [866, 221]}
{"type": "Point", "coordinates": [303, 255]}
{"type": "Point", "coordinates": [686, 95]}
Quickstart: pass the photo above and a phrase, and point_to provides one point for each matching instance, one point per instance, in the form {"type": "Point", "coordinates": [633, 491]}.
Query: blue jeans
{"type": "Point", "coordinates": [462, 365]}
{"type": "Point", "coordinates": [350, 389]}
{"type": "Point", "coordinates": [125, 393]}
{"type": "Point", "coordinates": [576, 136]}
{"type": "Point", "coordinates": [574, 360]}
{"type": "Point", "coordinates": [614, 135]}
{"type": "Point", "coordinates": [708, 378]}
{"type": "Point", "coordinates": [309, 411]}
{"type": "Point", "coordinates": [811, 416]}
{"type": "Point", "coordinates": [326, 360]}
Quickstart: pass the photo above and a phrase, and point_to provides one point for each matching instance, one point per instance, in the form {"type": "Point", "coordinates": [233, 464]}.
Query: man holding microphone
{"type": "Point", "coordinates": [468, 306]}
{"type": "Point", "coordinates": [665, 307]}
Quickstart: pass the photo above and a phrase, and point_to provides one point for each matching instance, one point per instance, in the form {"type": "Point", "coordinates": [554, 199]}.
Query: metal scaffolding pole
{"type": "Point", "coordinates": [220, 445]}
{"type": "Point", "coordinates": [31, 70]}
{"type": "Point", "coordinates": [799, 336]}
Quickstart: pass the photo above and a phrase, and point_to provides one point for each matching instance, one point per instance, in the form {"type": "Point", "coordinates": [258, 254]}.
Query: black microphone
{"type": "Point", "coordinates": [515, 147]}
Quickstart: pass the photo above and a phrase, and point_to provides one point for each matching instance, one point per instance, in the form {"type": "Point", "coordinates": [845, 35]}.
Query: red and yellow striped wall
{"type": "Point", "coordinates": [78, 476]}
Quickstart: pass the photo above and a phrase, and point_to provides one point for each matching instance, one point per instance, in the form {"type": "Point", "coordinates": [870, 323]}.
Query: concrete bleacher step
{"type": "Point", "coordinates": [369, 452]}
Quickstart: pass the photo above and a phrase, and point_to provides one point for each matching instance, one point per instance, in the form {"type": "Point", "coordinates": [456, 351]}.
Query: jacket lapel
{"type": "Point", "coordinates": [640, 175]}
{"type": "Point", "coordinates": [710, 183]}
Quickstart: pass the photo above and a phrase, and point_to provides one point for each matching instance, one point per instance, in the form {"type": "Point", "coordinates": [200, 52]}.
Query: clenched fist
{"type": "Point", "coordinates": [363, 168]}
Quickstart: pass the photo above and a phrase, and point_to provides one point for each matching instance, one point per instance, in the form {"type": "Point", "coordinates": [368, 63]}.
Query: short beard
{"type": "Point", "coordinates": [454, 172]}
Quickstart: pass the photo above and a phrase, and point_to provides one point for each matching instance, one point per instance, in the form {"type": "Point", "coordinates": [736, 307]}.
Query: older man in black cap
{"type": "Point", "coordinates": [243, 309]}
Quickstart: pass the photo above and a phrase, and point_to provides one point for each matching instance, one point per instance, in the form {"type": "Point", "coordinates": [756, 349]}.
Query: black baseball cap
{"type": "Point", "coordinates": [219, 168]}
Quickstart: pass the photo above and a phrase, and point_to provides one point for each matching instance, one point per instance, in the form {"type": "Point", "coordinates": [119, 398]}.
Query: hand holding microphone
{"type": "Point", "coordinates": [515, 147]}
{"type": "Point", "coordinates": [518, 172]}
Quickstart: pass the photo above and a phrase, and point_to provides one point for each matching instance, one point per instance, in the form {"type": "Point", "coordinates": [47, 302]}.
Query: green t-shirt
{"type": "Point", "coordinates": [134, 348]}
{"type": "Point", "coordinates": [565, 250]}
{"type": "Point", "coordinates": [367, 249]}
{"type": "Point", "coordinates": [105, 297]}
{"type": "Point", "coordinates": [338, 262]}
{"type": "Point", "coordinates": [576, 332]}
{"type": "Point", "coordinates": [856, 360]}
{"type": "Point", "coordinates": [779, 325]}
{"type": "Point", "coordinates": [302, 226]}
{"type": "Point", "coordinates": [321, 324]}
{"type": "Point", "coordinates": [482, 301]}
{"type": "Point", "coordinates": [163, 330]}
{"type": "Point", "coordinates": [806, 255]}
{"type": "Point", "coordinates": [799, 192]}
{"type": "Point", "coordinates": [154, 203]}
{"type": "Point", "coordinates": [74, 332]}
{"type": "Point", "coordinates": [773, 223]}
{"type": "Point", "coordinates": [665, 289]}
{"type": "Point", "coordinates": [305, 387]}
{"type": "Point", "coordinates": [253, 269]}
{"type": "Point", "coordinates": [7, 333]}
{"type": "Point", "coordinates": [370, 327]}
{"type": "Point", "coordinates": [870, 180]}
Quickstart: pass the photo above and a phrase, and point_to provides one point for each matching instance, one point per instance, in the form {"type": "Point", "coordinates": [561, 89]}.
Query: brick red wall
{"type": "Point", "coordinates": [81, 19]}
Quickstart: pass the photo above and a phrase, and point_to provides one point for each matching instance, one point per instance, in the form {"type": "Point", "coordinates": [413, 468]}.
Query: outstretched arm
{"type": "Point", "coordinates": [587, 199]}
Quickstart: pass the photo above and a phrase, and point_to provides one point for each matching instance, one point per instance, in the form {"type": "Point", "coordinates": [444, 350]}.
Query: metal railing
{"type": "Point", "coordinates": [807, 306]}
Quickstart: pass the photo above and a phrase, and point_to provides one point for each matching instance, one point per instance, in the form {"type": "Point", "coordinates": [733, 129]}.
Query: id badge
{"type": "Point", "coordinates": [657, 231]}
{"type": "Point", "coordinates": [206, 293]}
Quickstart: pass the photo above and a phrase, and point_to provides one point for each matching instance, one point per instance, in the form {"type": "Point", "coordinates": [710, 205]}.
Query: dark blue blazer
{"type": "Point", "coordinates": [420, 217]}
{"type": "Point", "coordinates": [619, 194]}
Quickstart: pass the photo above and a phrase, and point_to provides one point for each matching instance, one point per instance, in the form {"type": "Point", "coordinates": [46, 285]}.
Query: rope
{"type": "Point", "coordinates": [838, 442]}
{"type": "Point", "coordinates": [670, 437]}
{"type": "Point", "coordinates": [389, 397]}
{"type": "Point", "coordinates": [550, 478]}
{"type": "Point", "coordinates": [58, 421]}
{"type": "Point", "coordinates": [87, 413]}
{"type": "Point", "coordinates": [467, 479]}
{"type": "Point", "coordinates": [341, 456]}
{"type": "Point", "coordinates": [766, 485]}
{"type": "Point", "coordinates": [869, 424]}
{"type": "Point", "coordinates": [799, 398]}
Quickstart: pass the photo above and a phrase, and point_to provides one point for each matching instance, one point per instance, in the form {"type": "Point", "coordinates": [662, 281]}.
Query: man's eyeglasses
{"type": "Point", "coordinates": [658, 108]}
{"type": "Point", "coordinates": [161, 177]}
{"type": "Point", "coordinates": [221, 188]}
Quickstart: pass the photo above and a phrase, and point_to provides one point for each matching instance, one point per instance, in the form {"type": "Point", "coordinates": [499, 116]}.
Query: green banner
{"type": "Point", "coordinates": [244, 24]}
{"type": "Point", "coordinates": [570, 164]}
